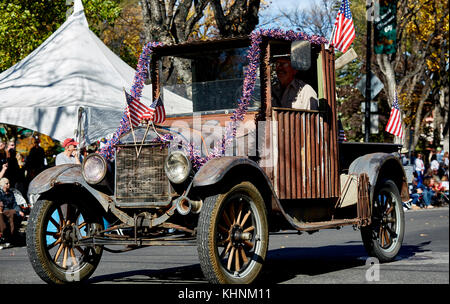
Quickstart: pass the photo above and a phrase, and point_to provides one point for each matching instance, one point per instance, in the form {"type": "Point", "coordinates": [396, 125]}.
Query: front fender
{"type": "Point", "coordinates": [217, 168]}
{"type": "Point", "coordinates": [379, 166]}
{"type": "Point", "coordinates": [64, 174]}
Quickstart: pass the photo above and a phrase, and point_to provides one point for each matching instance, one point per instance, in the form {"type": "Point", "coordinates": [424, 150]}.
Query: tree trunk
{"type": "Point", "coordinates": [240, 19]}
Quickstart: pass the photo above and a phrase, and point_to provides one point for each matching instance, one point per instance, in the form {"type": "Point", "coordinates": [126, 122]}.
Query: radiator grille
{"type": "Point", "coordinates": [141, 180]}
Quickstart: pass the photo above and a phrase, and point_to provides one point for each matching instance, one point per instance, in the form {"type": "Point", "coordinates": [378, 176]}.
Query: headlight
{"type": "Point", "coordinates": [177, 167]}
{"type": "Point", "coordinates": [94, 168]}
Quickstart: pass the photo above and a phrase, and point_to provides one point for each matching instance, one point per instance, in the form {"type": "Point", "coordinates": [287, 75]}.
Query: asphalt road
{"type": "Point", "coordinates": [325, 257]}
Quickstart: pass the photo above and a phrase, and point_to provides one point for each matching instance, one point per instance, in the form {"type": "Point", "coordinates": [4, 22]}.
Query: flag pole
{"type": "Point", "coordinates": [131, 124]}
{"type": "Point", "coordinates": [143, 139]}
{"type": "Point", "coordinates": [145, 135]}
{"type": "Point", "coordinates": [368, 98]}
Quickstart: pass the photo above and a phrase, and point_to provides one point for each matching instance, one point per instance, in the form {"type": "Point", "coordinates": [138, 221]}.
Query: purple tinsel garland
{"type": "Point", "coordinates": [238, 115]}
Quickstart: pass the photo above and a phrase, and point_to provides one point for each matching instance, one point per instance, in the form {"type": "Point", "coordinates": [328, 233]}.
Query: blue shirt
{"type": "Point", "coordinates": [9, 201]}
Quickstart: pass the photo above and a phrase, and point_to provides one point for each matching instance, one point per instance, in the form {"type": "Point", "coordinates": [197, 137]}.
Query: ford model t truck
{"type": "Point", "coordinates": [223, 171]}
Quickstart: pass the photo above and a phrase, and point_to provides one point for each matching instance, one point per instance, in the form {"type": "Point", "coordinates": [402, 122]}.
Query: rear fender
{"type": "Point", "coordinates": [64, 175]}
{"type": "Point", "coordinates": [380, 166]}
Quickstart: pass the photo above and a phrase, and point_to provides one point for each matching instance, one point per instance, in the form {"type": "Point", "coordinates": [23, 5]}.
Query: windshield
{"type": "Point", "coordinates": [205, 82]}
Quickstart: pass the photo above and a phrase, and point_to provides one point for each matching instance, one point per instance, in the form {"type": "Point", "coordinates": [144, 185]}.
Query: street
{"type": "Point", "coordinates": [325, 257]}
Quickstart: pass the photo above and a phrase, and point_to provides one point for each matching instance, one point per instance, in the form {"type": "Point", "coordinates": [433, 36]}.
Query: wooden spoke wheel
{"type": "Point", "coordinates": [53, 232]}
{"type": "Point", "coordinates": [233, 235]}
{"type": "Point", "coordinates": [384, 236]}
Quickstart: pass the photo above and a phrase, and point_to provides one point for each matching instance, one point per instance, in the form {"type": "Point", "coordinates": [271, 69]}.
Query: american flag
{"type": "Point", "coordinates": [394, 125]}
{"type": "Point", "coordinates": [341, 135]}
{"type": "Point", "coordinates": [344, 30]}
{"type": "Point", "coordinates": [135, 109]}
{"type": "Point", "coordinates": [156, 112]}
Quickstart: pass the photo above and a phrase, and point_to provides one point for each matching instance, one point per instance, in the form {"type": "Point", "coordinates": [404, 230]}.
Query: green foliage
{"type": "Point", "coordinates": [25, 24]}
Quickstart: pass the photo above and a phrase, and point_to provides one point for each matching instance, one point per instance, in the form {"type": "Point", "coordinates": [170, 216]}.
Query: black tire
{"type": "Point", "coordinates": [52, 229]}
{"type": "Point", "coordinates": [384, 236]}
{"type": "Point", "coordinates": [232, 238]}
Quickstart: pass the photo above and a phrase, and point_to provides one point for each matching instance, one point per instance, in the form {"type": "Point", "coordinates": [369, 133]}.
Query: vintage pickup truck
{"type": "Point", "coordinates": [223, 171]}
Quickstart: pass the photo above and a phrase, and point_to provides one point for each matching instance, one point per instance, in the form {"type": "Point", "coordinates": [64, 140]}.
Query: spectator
{"type": "Point", "coordinates": [2, 151]}
{"type": "Point", "coordinates": [419, 167]}
{"type": "Point", "coordinates": [439, 154]}
{"type": "Point", "coordinates": [444, 164]}
{"type": "Point", "coordinates": [428, 192]}
{"type": "Point", "coordinates": [10, 212]}
{"type": "Point", "coordinates": [69, 155]}
{"type": "Point", "coordinates": [444, 185]}
{"type": "Point", "coordinates": [14, 173]}
{"type": "Point", "coordinates": [416, 194]}
{"type": "Point", "coordinates": [434, 165]}
{"type": "Point", "coordinates": [3, 169]}
{"type": "Point", "coordinates": [35, 161]}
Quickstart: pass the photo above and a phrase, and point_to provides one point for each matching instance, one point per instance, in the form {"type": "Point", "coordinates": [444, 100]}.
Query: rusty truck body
{"type": "Point", "coordinates": [284, 170]}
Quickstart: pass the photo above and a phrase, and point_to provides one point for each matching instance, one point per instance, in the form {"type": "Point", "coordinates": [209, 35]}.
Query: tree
{"type": "Point", "coordinates": [236, 18]}
{"type": "Point", "coordinates": [172, 21]}
{"type": "Point", "coordinates": [421, 62]}
{"type": "Point", "coordinates": [318, 19]}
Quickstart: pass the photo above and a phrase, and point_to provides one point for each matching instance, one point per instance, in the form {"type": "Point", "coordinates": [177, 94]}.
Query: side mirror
{"type": "Point", "coordinates": [301, 55]}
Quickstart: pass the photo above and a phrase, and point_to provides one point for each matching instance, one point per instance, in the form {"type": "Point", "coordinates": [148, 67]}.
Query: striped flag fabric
{"type": "Point", "coordinates": [135, 109]}
{"type": "Point", "coordinates": [156, 112]}
{"type": "Point", "coordinates": [341, 134]}
{"type": "Point", "coordinates": [394, 125]}
{"type": "Point", "coordinates": [344, 30]}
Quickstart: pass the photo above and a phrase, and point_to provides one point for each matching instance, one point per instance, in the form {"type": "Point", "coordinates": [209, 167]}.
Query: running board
{"type": "Point", "coordinates": [310, 226]}
{"type": "Point", "coordinates": [99, 240]}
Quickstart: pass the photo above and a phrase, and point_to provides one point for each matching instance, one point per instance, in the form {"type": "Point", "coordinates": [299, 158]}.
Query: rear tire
{"type": "Point", "coordinates": [232, 238]}
{"type": "Point", "coordinates": [384, 236]}
{"type": "Point", "coordinates": [52, 231]}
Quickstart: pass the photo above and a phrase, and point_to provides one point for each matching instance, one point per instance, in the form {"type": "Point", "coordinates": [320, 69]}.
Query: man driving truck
{"type": "Point", "coordinates": [290, 91]}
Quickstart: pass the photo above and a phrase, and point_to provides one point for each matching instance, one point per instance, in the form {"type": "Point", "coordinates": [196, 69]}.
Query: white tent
{"type": "Point", "coordinates": [72, 72]}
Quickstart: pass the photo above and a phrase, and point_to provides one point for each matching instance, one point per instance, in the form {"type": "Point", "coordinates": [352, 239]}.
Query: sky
{"type": "Point", "coordinates": [289, 4]}
{"type": "Point", "coordinates": [285, 5]}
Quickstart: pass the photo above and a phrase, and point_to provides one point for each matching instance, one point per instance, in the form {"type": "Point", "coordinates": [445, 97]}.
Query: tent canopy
{"type": "Point", "coordinates": [71, 73]}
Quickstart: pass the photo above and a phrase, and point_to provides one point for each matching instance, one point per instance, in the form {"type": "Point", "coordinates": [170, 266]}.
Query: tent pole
{"type": "Point", "coordinates": [79, 134]}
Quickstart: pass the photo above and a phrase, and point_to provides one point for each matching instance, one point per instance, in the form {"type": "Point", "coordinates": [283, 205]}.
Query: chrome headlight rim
{"type": "Point", "coordinates": [186, 163]}
{"type": "Point", "coordinates": [87, 161]}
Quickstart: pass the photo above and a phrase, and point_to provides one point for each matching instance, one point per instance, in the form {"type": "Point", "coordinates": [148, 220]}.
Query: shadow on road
{"type": "Point", "coordinates": [281, 265]}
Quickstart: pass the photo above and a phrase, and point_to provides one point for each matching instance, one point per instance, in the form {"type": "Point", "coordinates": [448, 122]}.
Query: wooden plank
{"type": "Point", "coordinates": [281, 162]}
{"type": "Point", "coordinates": [293, 139]}
{"type": "Point", "coordinates": [302, 149]}
{"type": "Point", "coordinates": [322, 157]}
{"type": "Point", "coordinates": [333, 94]}
{"type": "Point", "coordinates": [308, 154]}
{"type": "Point", "coordinates": [312, 140]}
{"type": "Point", "coordinates": [287, 150]}
{"type": "Point", "coordinates": [298, 168]}
{"type": "Point", "coordinates": [325, 128]}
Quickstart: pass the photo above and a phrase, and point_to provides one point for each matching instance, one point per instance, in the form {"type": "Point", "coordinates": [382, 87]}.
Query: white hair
{"type": "Point", "coordinates": [3, 182]}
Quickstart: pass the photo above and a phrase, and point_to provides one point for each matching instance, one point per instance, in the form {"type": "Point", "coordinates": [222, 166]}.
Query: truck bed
{"type": "Point", "coordinates": [349, 151]}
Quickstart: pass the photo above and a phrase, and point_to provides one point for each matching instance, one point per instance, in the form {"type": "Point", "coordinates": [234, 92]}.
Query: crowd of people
{"type": "Point", "coordinates": [16, 172]}
{"type": "Point", "coordinates": [430, 185]}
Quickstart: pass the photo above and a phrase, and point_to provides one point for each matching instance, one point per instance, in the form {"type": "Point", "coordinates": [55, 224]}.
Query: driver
{"type": "Point", "coordinates": [290, 91]}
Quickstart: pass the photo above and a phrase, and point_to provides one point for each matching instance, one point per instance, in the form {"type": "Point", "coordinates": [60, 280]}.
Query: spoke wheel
{"type": "Point", "coordinates": [384, 236]}
{"type": "Point", "coordinates": [233, 235]}
{"type": "Point", "coordinates": [52, 236]}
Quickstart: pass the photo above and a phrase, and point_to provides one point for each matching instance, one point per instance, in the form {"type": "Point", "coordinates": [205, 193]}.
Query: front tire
{"type": "Point", "coordinates": [232, 236]}
{"type": "Point", "coordinates": [384, 236]}
{"type": "Point", "coordinates": [52, 232]}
